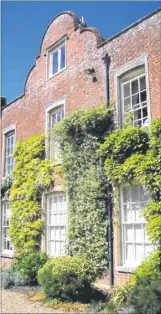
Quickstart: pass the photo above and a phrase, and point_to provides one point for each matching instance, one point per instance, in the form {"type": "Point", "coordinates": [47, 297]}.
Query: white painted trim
{"type": "Point", "coordinates": [49, 52]}
{"type": "Point", "coordinates": [7, 130]}
{"type": "Point", "coordinates": [49, 108]}
{"type": "Point", "coordinates": [46, 196]}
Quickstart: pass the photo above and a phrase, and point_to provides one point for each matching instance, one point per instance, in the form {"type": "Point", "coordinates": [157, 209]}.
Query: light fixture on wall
{"type": "Point", "coordinates": [92, 73]}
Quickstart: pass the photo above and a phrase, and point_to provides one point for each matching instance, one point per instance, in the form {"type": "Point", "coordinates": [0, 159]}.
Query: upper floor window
{"type": "Point", "coordinates": [56, 115]}
{"type": "Point", "coordinates": [134, 240]}
{"type": "Point", "coordinates": [134, 97]}
{"type": "Point", "coordinates": [9, 146]}
{"type": "Point", "coordinates": [56, 59]}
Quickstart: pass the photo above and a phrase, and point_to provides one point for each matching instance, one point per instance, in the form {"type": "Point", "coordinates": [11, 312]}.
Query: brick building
{"type": "Point", "coordinates": [77, 68]}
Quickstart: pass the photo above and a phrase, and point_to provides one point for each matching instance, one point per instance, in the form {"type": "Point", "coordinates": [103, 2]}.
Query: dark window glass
{"type": "Point", "coordinates": [135, 99]}
{"type": "Point", "coordinates": [55, 62]}
{"type": "Point", "coordinates": [127, 104]}
{"type": "Point", "coordinates": [143, 96]}
{"type": "Point", "coordinates": [142, 83]}
{"type": "Point", "coordinates": [62, 65]}
{"type": "Point", "coordinates": [126, 89]}
{"type": "Point", "coordinates": [134, 86]}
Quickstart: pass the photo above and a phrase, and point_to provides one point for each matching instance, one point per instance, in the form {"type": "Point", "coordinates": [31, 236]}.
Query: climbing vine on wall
{"type": "Point", "coordinates": [80, 135]}
{"type": "Point", "coordinates": [133, 155]}
{"type": "Point", "coordinates": [32, 174]}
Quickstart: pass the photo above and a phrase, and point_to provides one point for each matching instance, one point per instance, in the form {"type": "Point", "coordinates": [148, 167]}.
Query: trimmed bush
{"type": "Point", "coordinates": [28, 263]}
{"type": "Point", "coordinates": [10, 278]}
{"type": "Point", "coordinates": [145, 293]}
{"type": "Point", "coordinates": [145, 296]}
{"type": "Point", "coordinates": [67, 278]}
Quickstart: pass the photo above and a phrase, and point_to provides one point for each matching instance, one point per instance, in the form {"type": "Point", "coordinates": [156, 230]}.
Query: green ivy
{"type": "Point", "coordinates": [80, 135]}
{"type": "Point", "coordinates": [132, 155]}
{"type": "Point", "coordinates": [32, 174]}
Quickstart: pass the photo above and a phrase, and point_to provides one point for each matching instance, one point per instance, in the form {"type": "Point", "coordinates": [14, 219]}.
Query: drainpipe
{"type": "Point", "coordinates": [106, 60]}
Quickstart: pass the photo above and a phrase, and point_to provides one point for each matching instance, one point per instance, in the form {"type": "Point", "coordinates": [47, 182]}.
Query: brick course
{"type": "Point", "coordinates": [84, 50]}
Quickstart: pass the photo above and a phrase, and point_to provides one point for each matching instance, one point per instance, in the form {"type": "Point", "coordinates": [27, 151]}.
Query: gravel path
{"type": "Point", "coordinates": [15, 301]}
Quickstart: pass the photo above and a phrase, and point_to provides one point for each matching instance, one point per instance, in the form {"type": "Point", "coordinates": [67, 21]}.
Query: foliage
{"type": "Point", "coordinates": [66, 306]}
{"type": "Point", "coordinates": [5, 186]}
{"type": "Point", "coordinates": [80, 135]}
{"type": "Point", "coordinates": [28, 263]}
{"type": "Point", "coordinates": [119, 294]}
{"type": "Point", "coordinates": [65, 278]}
{"type": "Point", "coordinates": [145, 296]}
{"type": "Point", "coordinates": [149, 266]}
{"type": "Point", "coordinates": [119, 146]}
{"type": "Point", "coordinates": [145, 292]}
{"type": "Point", "coordinates": [32, 174]}
{"type": "Point", "coordinates": [10, 278]}
{"type": "Point", "coordinates": [132, 155]}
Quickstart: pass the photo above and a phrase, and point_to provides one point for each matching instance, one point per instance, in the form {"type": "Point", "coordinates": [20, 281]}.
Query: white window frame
{"type": "Point", "coordinates": [58, 226]}
{"type": "Point", "coordinates": [6, 133]}
{"type": "Point", "coordinates": [142, 105]}
{"type": "Point", "coordinates": [145, 242]}
{"type": "Point", "coordinates": [51, 108]}
{"type": "Point", "coordinates": [122, 71]}
{"type": "Point", "coordinates": [50, 52]}
{"type": "Point", "coordinates": [9, 156]}
{"type": "Point", "coordinates": [4, 251]}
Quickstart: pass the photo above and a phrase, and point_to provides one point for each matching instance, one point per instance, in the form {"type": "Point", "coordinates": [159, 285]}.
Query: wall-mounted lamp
{"type": "Point", "coordinates": [92, 73]}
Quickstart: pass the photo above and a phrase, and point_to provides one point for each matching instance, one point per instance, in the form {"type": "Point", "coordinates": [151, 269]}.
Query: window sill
{"type": "Point", "coordinates": [125, 269]}
{"type": "Point", "coordinates": [57, 73]}
{"type": "Point", "coordinates": [7, 254]}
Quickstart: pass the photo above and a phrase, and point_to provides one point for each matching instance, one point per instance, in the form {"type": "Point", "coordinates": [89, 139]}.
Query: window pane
{"type": "Point", "coordinates": [137, 114]}
{"type": "Point", "coordinates": [139, 252]}
{"type": "Point", "coordinates": [127, 104]}
{"type": "Point", "coordinates": [127, 213]}
{"type": "Point", "coordinates": [135, 99]}
{"type": "Point", "coordinates": [126, 89]}
{"type": "Point", "coordinates": [55, 62]}
{"type": "Point", "coordinates": [135, 194]}
{"type": "Point", "coordinates": [138, 123]}
{"type": "Point", "coordinates": [142, 83]}
{"type": "Point", "coordinates": [139, 233]}
{"type": "Point", "coordinates": [59, 116]}
{"type": "Point", "coordinates": [129, 252]}
{"type": "Point", "coordinates": [143, 96]}
{"type": "Point", "coordinates": [129, 233]}
{"type": "Point", "coordinates": [134, 87]}
{"type": "Point", "coordinates": [62, 65]}
{"type": "Point", "coordinates": [145, 112]}
{"type": "Point", "coordinates": [126, 194]}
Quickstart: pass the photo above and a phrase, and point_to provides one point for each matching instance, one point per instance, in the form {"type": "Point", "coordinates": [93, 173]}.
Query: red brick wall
{"type": "Point", "coordinates": [28, 112]}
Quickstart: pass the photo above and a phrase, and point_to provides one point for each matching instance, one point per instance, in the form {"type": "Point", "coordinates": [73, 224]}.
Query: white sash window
{"type": "Point", "coordinates": [56, 224]}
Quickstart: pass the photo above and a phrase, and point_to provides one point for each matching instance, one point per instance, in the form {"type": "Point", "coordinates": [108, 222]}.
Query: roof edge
{"type": "Point", "coordinates": [130, 26]}
{"type": "Point", "coordinates": [11, 102]}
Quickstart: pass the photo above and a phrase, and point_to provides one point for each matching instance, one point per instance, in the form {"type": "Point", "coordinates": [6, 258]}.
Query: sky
{"type": "Point", "coordinates": [24, 23]}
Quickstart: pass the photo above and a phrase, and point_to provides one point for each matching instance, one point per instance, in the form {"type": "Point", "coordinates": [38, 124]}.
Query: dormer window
{"type": "Point", "coordinates": [56, 59]}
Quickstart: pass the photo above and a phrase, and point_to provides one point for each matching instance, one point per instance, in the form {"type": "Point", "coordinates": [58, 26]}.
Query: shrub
{"type": "Point", "coordinates": [149, 266]}
{"type": "Point", "coordinates": [28, 264]}
{"type": "Point", "coordinates": [145, 293]}
{"type": "Point", "coordinates": [145, 296]}
{"type": "Point", "coordinates": [120, 294]}
{"type": "Point", "coordinates": [66, 278]}
{"type": "Point", "coordinates": [11, 278]}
